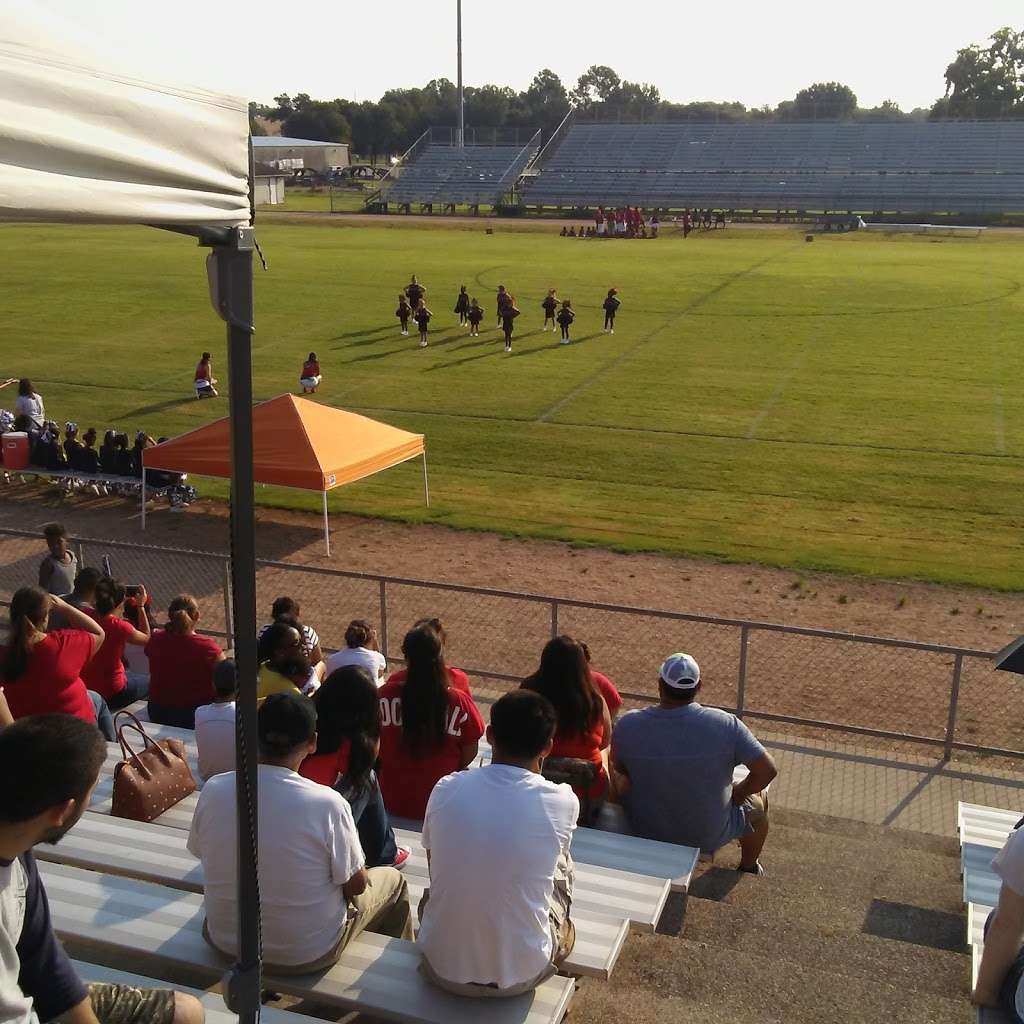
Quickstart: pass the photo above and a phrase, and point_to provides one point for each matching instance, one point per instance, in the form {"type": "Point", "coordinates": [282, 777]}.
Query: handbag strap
{"type": "Point", "coordinates": [133, 723]}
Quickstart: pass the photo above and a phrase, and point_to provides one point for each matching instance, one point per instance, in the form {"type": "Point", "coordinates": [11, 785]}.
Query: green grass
{"type": "Point", "coordinates": [851, 404]}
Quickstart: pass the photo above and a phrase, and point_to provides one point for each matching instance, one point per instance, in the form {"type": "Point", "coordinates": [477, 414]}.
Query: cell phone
{"type": "Point", "coordinates": [133, 591]}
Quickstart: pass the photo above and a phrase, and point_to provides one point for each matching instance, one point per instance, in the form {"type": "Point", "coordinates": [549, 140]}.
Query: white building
{"type": "Point", "coordinates": [268, 189]}
{"type": "Point", "coordinates": [284, 154]}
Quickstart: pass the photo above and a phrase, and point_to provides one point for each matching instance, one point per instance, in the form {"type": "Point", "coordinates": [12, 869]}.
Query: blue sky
{"type": "Point", "coordinates": [753, 52]}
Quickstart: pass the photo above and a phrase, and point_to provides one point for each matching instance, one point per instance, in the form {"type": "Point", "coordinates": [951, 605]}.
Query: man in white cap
{"type": "Point", "coordinates": [673, 765]}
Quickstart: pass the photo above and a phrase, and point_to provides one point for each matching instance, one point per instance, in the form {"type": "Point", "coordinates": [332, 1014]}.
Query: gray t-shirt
{"type": "Point", "coordinates": [62, 574]}
{"type": "Point", "coordinates": [1009, 866]}
{"type": "Point", "coordinates": [680, 762]}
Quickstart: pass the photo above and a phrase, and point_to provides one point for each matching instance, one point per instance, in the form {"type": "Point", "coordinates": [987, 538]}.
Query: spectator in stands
{"type": "Point", "coordinates": [317, 895]}
{"type": "Point", "coordinates": [462, 306]}
{"type": "Point", "coordinates": [30, 405]}
{"type": "Point", "coordinates": [611, 307]}
{"type": "Point", "coordinates": [428, 728]}
{"type": "Point", "coordinates": [90, 460]}
{"type": "Point", "coordinates": [414, 291]}
{"type": "Point", "coordinates": [56, 760]}
{"type": "Point", "coordinates": [108, 451]}
{"type": "Point", "coordinates": [457, 679]}
{"type": "Point", "coordinates": [604, 685]}
{"type": "Point", "coordinates": [276, 651]}
{"type": "Point", "coordinates": [673, 765]}
{"type": "Point", "coordinates": [46, 450]}
{"type": "Point", "coordinates": [123, 459]}
{"type": "Point", "coordinates": [142, 442]}
{"type": "Point", "coordinates": [58, 569]}
{"type": "Point", "coordinates": [508, 316]}
{"type": "Point", "coordinates": [205, 383]}
{"type": "Point", "coordinates": [999, 982]}
{"type": "Point", "coordinates": [404, 312]}
{"type": "Point", "coordinates": [72, 446]}
{"type": "Point", "coordinates": [501, 875]}
{"type": "Point", "coordinates": [106, 673]}
{"type": "Point", "coordinates": [565, 319]}
{"type": "Point", "coordinates": [347, 746]}
{"type": "Point", "coordinates": [181, 663]}
{"type": "Point", "coordinates": [288, 608]}
{"type": "Point", "coordinates": [215, 723]}
{"type": "Point", "coordinates": [82, 596]}
{"type": "Point", "coordinates": [422, 317]}
{"type": "Point", "coordinates": [475, 315]}
{"type": "Point", "coordinates": [310, 377]}
{"type": "Point", "coordinates": [361, 648]}
{"type": "Point", "coordinates": [549, 305]}
{"type": "Point", "coordinates": [42, 672]}
{"type": "Point", "coordinates": [584, 724]}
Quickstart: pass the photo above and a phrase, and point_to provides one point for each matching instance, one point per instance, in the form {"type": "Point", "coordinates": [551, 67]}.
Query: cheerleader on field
{"type": "Point", "coordinates": [462, 306]}
{"type": "Point", "coordinates": [474, 315]}
{"type": "Point", "coordinates": [550, 304]}
{"type": "Point", "coordinates": [415, 291]}
{"type": "Point", "coordinates": [565, 319]}
{"type": "Point", "coordinates": [501, 299]}
{"type": "Point", "coordinates": [611, 305]}
{"type": "Point", "coordinates": [310, 378]}
{"type": "Point", "coordinates": [422, 317]}
{"type": "Point", "coordinates": [509, 312]}
{"type": "Point", "coordinates": [404, 312]}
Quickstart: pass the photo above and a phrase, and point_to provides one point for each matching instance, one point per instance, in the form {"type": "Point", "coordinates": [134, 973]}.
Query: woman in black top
{"type": "Point", "coordinates": [611, 305]}
{"type": "Point", "coordinates": [107, 453]}
{"type": "Point", "coordinates": [90, 460]}
{"type": "Point", "coordinates": [72, 446]}
{"type": "Point", "coordinates": [403, 313]}
{"type": "Point", "coordinates": [508, 314]}
{"type": "Point", "coordinates": [550, 304]}
{"type": "Point", "coordinates": [474, 316]}
{"type": "Point", "coordinates": [502, 298]}
{"type": "Point", "coordinates": [415, 291]}
{"type": "Point", "coordinates": [462, 306]}
{"type": "Point", "coordinates": [565, 318]}
{"type": "Point", "coordinates": [422, 317]}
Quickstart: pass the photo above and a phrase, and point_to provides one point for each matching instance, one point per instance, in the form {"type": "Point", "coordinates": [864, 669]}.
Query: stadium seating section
{"type": "Point", "coordinates": [963, 167]}
{"type": "Point", "coordinates": [452, 174]}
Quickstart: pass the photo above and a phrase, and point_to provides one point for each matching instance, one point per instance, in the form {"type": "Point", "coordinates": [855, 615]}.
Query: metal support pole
{"type": "Point", "coordinates": [229, 611]}
{"type": "Point", "coordinates": [143, 498]}
{"type": "Point", "coordinates": [230, 269]}
{"type": "Point", "coordinates": [460, 135]}
{"type": "Point", "coordinates": [741, 686]}
{"type": "Point", "coordinates": [327, 527]}
{"type": "Point", "coordinates": [554, 619]}
{"type": "Point", "coordinates": [954, 700]}
{"type": "Point", "coordinates": [426, 483]}
{"type": "Point", "coordinates": [384, 618]}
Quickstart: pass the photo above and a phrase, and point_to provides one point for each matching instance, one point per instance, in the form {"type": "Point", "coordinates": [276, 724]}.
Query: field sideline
{"type": "Point", "coordinates": [850, 404]}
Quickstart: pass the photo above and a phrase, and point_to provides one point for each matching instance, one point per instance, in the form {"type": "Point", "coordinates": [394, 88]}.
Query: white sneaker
{"type": "Point", "coordinates": [564, 341]}
{"type": "Point", "coordinates": [612, 331]}
{"type": "Point", "coordinates": [423, 344]}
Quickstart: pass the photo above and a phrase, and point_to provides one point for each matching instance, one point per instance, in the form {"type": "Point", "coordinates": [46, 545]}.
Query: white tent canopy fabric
{"type": "Point", "coordinates": [83, 142]}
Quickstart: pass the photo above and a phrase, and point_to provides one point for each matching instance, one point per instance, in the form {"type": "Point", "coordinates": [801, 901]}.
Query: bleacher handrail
{"type": "Point", "coordinates": [552, 144]}
{"type": "Point", "coordinates": [395, 169]}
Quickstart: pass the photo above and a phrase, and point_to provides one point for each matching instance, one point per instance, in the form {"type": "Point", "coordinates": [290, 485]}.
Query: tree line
{"type": "Point", "coordinates": [982, 82]}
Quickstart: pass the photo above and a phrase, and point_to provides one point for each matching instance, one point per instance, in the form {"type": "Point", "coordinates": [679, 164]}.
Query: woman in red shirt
{"type": "Point", "coordinates": [347, 744]}
{"type": "Point", "coordinates": [180, 666]}
{"type": "Point", "coordinates": [42, 672]}
{"type": "Point", "coordinates": [106, 672]}
{"type": "Point", "coordinates": [457, 679]}
{"type": "Point", "coordinates": [584, 724]}
{"type": "Point", "coordinates": [429, 729]}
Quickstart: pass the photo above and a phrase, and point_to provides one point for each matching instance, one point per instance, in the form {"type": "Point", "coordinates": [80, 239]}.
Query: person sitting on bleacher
{"type": "Point", "coordinates": [82, 597]}
{"type": "Point", "coordinates": [72, 447]}
{"type": "Point", "coordinates": [56, 760]}
{"type": "Point", "coordinates": [124, 463]}
{"type": "Point", "coordinates": [284, 667]}
{"type": "Point", "coordinates": [288, 608]}
{"type": "Point", "coordinates": [106, 673]}
{"type": "Point", "coordinates": [361, 648]}
{"type": "Point", "coordinates": [457, 679]}
{"type": "Point", "coordinates": [317, 894]}
{"type": "Point", "coordinates": [495, 920]}
{"type": "Point", "coordinates": [215, 723]}
{"type": "Point", "coordinates": [673, 762]}
{"type": "Point", "coordinates": [108, 453]}
{"type": "Point", "coordinates": [1000, 981]}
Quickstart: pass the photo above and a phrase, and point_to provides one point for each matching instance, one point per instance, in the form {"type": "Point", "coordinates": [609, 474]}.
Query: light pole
{"type": "Point", "coordinates": [460, 132]}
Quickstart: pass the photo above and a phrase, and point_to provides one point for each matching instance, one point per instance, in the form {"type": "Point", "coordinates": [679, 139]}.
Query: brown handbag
{"type": "Point", "coordinates": [148, 782]}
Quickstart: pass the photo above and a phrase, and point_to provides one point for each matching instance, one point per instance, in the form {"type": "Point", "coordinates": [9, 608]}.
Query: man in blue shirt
{"type": "Point", "coordinates": [673, 765]}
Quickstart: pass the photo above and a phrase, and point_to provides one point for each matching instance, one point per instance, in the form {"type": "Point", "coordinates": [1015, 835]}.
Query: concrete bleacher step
{"type": "Point", "coordinates": [153, 926]}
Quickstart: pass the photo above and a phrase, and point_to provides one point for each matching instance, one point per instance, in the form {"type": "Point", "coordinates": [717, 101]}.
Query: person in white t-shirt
{"type": "Point", "coordinates": [1001, 974]}
{"type": "Point", "coordinates": [362, 649]}
{"type": "Point", "coordinates": [495, 920]}
{"type": "Point", "coordinates": [317, 894]}
{"type": "Point", "coordinates": [215, 723]}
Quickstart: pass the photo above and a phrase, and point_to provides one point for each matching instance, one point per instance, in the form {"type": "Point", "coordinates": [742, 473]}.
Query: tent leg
{"type": "Point", "coordinates": [327, 527]}
{"type": "Point", "coordinates": [426, 484]}
{"type": "Point", "coordinates": [232, 263]}
{"type": "Point", "coordinates": [143, 497]}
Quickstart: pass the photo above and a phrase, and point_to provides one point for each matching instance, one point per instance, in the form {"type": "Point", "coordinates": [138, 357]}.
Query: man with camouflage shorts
{"type": "Point", "coordinates": [50, 764]}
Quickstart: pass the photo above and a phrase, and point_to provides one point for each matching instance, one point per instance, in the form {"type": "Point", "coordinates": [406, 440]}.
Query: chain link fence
{"type": "Point", "coordinates": [811, 679]}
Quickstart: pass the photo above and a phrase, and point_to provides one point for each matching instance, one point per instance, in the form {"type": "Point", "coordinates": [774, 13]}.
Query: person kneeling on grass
{"type": "Point", "coordinates": [672, 764]}
{"type": "Point", "coordinates": [317, 894]}
{"type": "Point", "coordinates": [495, 920]}
{"type": "Point", "coordinates": [310, 377]}
{"type": "Point", "coordinates": [56, 760]}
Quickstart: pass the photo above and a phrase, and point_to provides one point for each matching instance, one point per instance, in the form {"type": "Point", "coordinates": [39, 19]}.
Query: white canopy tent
{"type": "Point", "coordinates": [81, 140]}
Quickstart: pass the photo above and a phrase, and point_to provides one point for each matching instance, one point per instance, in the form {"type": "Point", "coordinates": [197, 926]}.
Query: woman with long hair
{"type": "Point", "coordinates": [347, 745]}
{"type": "Point", "coordinates": [42, 672]}
{"type": "Point", "coordinates": [584, 724]}
{"type": "Point", "coordinates": [30, 405]}
{"type": "Point", "coordinates": [181, 662]}
{"type": "Point", "coordinates": [284, 667]}
{"type": "Point", "coordinates": [106, 672]}
{"type": "Point", "coordinates": [428, 728]}
{"type": "Point", "coordinates": [457, 679]}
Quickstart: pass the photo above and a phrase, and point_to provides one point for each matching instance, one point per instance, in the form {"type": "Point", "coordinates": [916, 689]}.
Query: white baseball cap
{"type": "Point", "coordinates": [680, 672]}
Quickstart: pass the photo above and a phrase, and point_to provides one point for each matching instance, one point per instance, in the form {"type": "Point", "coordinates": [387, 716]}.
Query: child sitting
{"type": "Point", "coordinates": [72, 446]}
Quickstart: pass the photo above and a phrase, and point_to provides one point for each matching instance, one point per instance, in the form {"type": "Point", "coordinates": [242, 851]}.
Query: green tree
{"type": "Point", "coordinates": [597, 84]}
{"type": "Point", "coordinates": [317, 119]}
{"type": "Point", "coordinates": [823, 101]}
{"type": "Point", "coordinates": [986, 81]}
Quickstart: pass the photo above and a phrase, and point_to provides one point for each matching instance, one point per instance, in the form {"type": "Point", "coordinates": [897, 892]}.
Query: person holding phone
{"type": "Point", "coordinates": [106, 673]}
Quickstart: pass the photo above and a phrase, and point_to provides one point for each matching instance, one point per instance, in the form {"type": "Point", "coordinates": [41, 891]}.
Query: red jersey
{"type": "Point", "coordinates": [203, 370]}
{"type": "Point", "coordinates": [406, 781]}
{"type": "Point", "coordinates": [325, 768]}
{"type": "Point", "coordinates": [181, 668]}
{"type": "Point", "coordinates": [607, 690]}
{"type": "Point", "coordinates": [457, 679]}
{"type": "Point", "coordinates": [105, 673]}
{"type": "Point", "coordinates": [587, 747]}
{"type": "Point", "coordinates": [52, 680]}
{"type": "Point", "coordinates": [310, 368]}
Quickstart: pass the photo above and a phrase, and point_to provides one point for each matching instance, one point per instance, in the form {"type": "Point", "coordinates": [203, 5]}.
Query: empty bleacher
{"type": "Point", "coordinates": [446, 174]}
{"type": "Point", "coordinates": [942, 167]}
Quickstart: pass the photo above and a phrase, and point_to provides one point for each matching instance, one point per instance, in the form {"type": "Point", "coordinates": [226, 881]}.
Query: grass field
{"type": "Point", "coordinates": [851, 404]}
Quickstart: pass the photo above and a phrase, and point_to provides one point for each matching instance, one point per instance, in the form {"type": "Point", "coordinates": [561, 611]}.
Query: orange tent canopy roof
{"type": "Point", "coordinates": [296, 443]}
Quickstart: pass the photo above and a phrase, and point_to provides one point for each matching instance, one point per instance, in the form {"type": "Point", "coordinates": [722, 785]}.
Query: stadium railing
{"type": "Point", "coordinates": [811, 679]}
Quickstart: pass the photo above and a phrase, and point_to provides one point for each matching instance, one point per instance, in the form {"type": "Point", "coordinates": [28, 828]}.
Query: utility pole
{"type": "Point", "coordinates": [460, 132]}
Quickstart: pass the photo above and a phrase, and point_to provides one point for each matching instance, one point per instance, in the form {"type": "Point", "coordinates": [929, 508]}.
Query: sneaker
{"type": "Point", "coordinates": [564, 341]}
{"type": "Point", "coordinates": [756, 870]}
{"type": "Point", "coordinates": [612, 331]}
{"type": "Point", "coordinates": [401, 858]}
{"type": "Point", "coordinates": [423, 344]}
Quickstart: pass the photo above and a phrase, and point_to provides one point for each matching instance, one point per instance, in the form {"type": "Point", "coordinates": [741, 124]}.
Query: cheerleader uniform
{"type": "Point", "coordinates": [462, 307]}
{"type": "Point", "coordinates": [422, 318]}
{"type": "Point", "coordinates": [611, 306]}
{"type": "Point", "coordinates": [403, 313]}
{"type": "Point", "coordinates": [550, 304]}
{"type": "Point", "coordinates": [310, 379]}
{"type": "Point", "coordinates": [474, 315]}
{"type": "Point", "coordinates": [565, 319]}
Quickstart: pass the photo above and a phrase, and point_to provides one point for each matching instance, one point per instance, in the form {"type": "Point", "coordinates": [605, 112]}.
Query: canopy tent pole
{"type": "Point", "coordinates": [327, 527]}
{"type": "Point", "coordinates": [143, 497]}
{"type": "Point", "coordinates": [426, 484]}
{"type": "Point", "coordinates": [229, 266]}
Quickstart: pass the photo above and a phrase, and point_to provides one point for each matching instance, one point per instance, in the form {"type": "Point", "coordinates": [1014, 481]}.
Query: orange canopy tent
{"type": "Point", "coordinates": [296, 443]}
